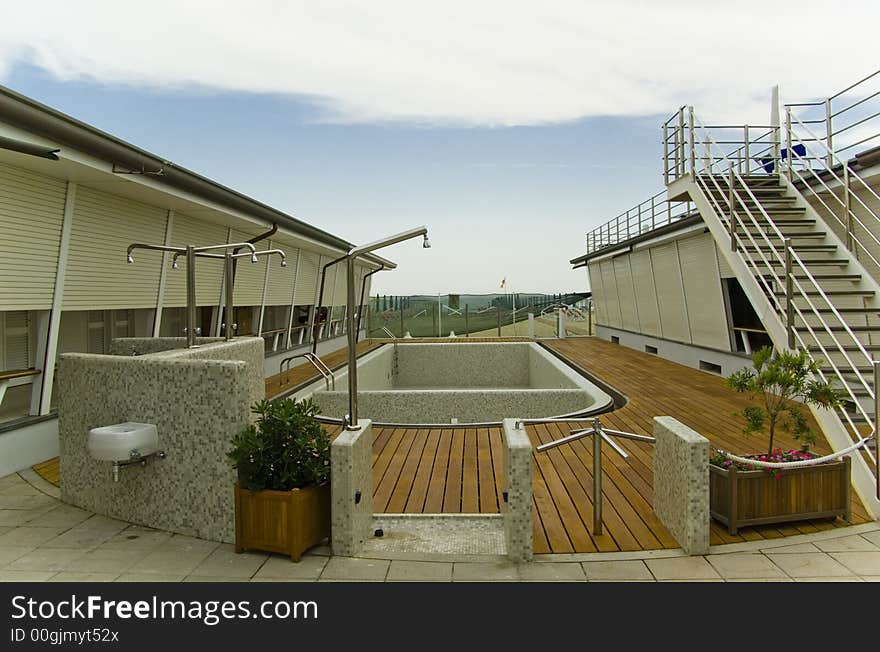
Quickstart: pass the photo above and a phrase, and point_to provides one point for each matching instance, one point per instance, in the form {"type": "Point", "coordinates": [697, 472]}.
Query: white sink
{"type": "Point", "coordinates": [123, 442]}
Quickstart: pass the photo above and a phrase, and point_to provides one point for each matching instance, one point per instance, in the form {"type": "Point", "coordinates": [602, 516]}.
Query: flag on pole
{"type": "Point", "coordinates": [503, 281]}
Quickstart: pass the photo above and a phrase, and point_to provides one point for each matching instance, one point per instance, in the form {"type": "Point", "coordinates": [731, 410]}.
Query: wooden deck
{"type": "Point", "coordinates": [458, 469]}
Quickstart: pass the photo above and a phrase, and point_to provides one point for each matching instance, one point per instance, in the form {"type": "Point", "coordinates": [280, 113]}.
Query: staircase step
{"type": "Point", "coordinates": [799, 248]}
{"type": "Point", "coordinates": [855, 278]}
{"type": "Point", "coordinates": [845, 347]}
{"type": "Point", "coordinates": [829, 262]}
{"type": "Point", "coordinates": [843, 311]}
{"type": "Point", "coordinates": [831, 293]}
{"type": "Point", "coordinates": [841, 329]}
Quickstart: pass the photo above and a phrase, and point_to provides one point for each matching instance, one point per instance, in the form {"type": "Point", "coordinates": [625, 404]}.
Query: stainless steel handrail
{"type": "Point", "coordinates": [316, 362]}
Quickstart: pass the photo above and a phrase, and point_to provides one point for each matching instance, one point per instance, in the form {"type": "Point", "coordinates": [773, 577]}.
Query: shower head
{"type": "Point", "coordinates": [130, 259]}
{"type": "Point", "coordinates": [426, 244]}
{"type": "Point", "coordinates": [174, 264]}
{"type": "Point", "coordinates": [283, 263]}
{"type": "Point", "coordinates": [254, 258]}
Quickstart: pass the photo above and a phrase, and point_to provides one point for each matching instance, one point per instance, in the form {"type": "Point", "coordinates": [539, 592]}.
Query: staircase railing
{"type": "Point", "coordinates": [825, 174]}
{"type": "Point", "coordinates": [779, 270]}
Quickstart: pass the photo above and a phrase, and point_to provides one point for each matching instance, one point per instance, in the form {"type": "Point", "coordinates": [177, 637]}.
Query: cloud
{"type": "Point", "coordinates": [458, 62]}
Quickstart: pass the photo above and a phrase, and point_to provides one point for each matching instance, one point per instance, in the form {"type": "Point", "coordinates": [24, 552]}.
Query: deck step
{"type": "Point", "coordinates": [855, 278]}
{"type": "Point", "coordinates": [845, 347]}
{"type": "Point", "coordinates": [806, 247]}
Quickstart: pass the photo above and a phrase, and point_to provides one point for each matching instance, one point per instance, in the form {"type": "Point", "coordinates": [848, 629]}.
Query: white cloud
{"type": "Point", "coordinates": [459, 61]}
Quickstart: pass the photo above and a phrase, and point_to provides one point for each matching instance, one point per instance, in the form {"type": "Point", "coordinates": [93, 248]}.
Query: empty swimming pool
{"type": "Point", "coordinates": [412, 383]}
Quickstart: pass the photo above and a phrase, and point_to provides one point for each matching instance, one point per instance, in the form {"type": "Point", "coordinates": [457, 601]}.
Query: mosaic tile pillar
{"type": "Point", "coordinates": [351, 489]}
{"type": "Point", "coordinates": [517, 507]}
{"type": "Point", "coordinates": [681, 483]}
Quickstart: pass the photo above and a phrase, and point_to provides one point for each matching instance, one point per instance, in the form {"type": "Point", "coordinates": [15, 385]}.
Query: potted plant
{"type": "Point", "coordinates": [781, 383]}
{"type": "Point", "coordinates": [282, 498]}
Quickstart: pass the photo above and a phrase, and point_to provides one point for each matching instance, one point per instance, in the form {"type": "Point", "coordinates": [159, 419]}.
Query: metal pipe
{"type": "Point", "coordinates": [692, 145]}
{"type": "Point", "coordinates": [665, 155]}
{"type": "Point", "coordinates": [847, 205]}
{"type": "Point", "coordinates": [498, 313]}
{"type": "Point", "coordinates": [190, 296]}
{"type": "Point", "coordinates": [317, 310]}
{"type": "Point", "coordinates": [732, 225]}
{"type": "Point", "coordinates": [876, 365]}
{"type": "Point", "coordinates": [352, 421]}
{"type": "Point", "coordinates": [467, 327]}
{"type": "Point", "coordinates": [230, 283]}
{"type": "Point", "coordinates": [597, 477]}
{"type": "Point", "coordinates": [829, 133]}
{"type": "Point", "coordinates": [788, 141]}
{"type": "Point", "coordinates": [361, 303]}
{"type": "Point", "coordinates": [789, 293]}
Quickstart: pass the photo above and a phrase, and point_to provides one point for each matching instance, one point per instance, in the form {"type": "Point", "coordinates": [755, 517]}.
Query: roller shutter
{"type": "Point", "coordinates": [599, 298]}
{"type": "Point", "coordinates": [31, 215]}
{"type": "Point", "coordinates": [670, 293]}
{"type": "Point", "coordinates": [249, 277]}
{"type": "Point", "coordinates": [185, 231]}
{"type": "Point", "coordinates": [702, 288]}
{"type": "Point", "coordinates": [629, 315]}
{"type": "Point", "coordinates": [610, 285]}
{"type": "Point", "coordinates": [645, 294]}
{"type": "Point", "coordinates": [307, 279]}
{"type": "Point", "coordinates": [281, 279]}
{"type": "Point", "coordinates": [97, 275]}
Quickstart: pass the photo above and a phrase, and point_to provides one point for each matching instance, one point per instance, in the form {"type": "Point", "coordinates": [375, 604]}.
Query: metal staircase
{"type": "Point", "coordinates": [801, 272]}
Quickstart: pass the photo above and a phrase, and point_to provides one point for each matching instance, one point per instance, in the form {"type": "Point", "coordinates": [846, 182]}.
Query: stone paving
{"type": "Point", "coordinates": [45, 540]}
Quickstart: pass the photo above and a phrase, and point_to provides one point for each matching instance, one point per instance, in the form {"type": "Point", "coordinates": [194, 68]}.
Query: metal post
{"type": "Point", "coordinates": [653, 221]}
{"type": "Point", "coordinates": [789, 293]}
{"type": "Point", "coordinates": [467, 328]}
{"type": "Point", "coordinates": [691, 129]}
{"type": "Point", "coordinates": [229, 283]}
{"type": "Point", "coordinates": [439, 317]}
{"type": "Point", "coordinates": [190, 296]}
{"type": "Point", "coordinates": [746, 151]}
{"type": "Point", "coordinates": [590, 317]}
{"type": "Point", "coordinates": [829, 133]}
{"type": "Point", "coordinates": [402, 331]}
{"type": "Point", "coordinates": [498, 313]}
{"type": "Point", "coordinates": [788, 139]}
{"type": "Point", "coordinates": [679, 145]}
{"type": "Point", "coordinates": [597, 477]}
{"type": "Point", "coordinates": [352, 348]}
{"type": "Point", "coordinates": [730, 204]}
{"type": "Point", "coordinates": [876, 365]}
{"type": "Point", "coordinates": [665, 155]}
{"type": "Point", "coordinates": [847, 207]}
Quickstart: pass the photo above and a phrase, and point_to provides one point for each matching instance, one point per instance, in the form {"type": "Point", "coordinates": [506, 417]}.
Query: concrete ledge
{"type": "Point", "coordinates": [351, 488]}
{"type": "Point", "coordinates": [681, 483]}
{"type": "Point", "coordinates": [517, 508]}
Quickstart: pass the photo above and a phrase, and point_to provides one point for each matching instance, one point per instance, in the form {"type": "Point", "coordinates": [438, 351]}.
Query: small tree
{"type": "Point", "coordinates": [778, 381]}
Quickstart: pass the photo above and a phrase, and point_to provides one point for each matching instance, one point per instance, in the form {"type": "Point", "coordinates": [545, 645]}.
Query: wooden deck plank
{"type": "Point", "coordinates": [437, 484]}
{"type": "Point", "coordinates": [452, 493]}
{"type": "Point", "coordinates": [416, 502]}
{"type": "Point", "coordinates": [488, 496]}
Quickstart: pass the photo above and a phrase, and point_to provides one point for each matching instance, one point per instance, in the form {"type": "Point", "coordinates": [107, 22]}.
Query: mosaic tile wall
{"type": "Point", "coordinates": [146, 345]}
{"type": "Point", "coordinates": [474, 365]}
{"type": "Point", "coordinates": [352, 472]}
{"type": "Point", "coordinates": [681, 483]}
{"type": "Point", "coordinates": [198, 398]}
{"type": "Point", "coordinates": [517, 510]}
{"type": "Point", "coordinates": [468, 406]}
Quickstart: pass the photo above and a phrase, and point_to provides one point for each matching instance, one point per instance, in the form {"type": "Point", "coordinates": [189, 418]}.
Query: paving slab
{"type": "Point", "coordinates": [809, 565]}
{"type": "Point", "coordinates": [617, 571]}
{"type": "Point", "coordinates": [744, 565]}
{"type": "Point", "coordinates": [485, 572]}
{"type": "Point", "coordinates": [420, 571]}
{"type": "Point", "coordinates": [354, 569]}
{"type": "Point", "coordinates": [682, 568]}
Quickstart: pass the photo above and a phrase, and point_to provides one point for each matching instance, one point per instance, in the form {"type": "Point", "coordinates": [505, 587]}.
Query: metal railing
{"type": "Point", "coordinates": [811, 319]}
{"type": "Point", "coordinates": [599, 435]}
{"type": "Point", "coordinates": [316, 362]}
{"type": "Point", "coordinates": [641, 218]}
{"type": "Point", "coordinates": [845, 121]}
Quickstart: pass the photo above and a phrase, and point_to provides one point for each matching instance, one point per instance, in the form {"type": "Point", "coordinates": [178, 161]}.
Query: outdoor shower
{"type": "Point", "coordinates": [191, 252]}
{"type": "Point", "coordinates": [352, 315]}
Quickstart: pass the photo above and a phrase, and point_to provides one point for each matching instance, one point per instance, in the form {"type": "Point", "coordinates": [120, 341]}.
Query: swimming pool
{"type": "Point", "coordinates": [427, 384]}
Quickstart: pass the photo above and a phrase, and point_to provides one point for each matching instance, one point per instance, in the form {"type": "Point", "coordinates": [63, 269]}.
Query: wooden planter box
{"type": "Point", "coordinates": [740, 498]}
{"type": "Point", "coordinates": [289, 522]}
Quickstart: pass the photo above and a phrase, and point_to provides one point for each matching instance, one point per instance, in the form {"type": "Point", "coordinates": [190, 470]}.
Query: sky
{"type": "Point", "coordinates": [509, 128]}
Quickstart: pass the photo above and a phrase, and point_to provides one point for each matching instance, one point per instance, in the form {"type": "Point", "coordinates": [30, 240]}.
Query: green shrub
{"type": "Point", "coordinates": [285, 449]}
{"type": "Point", "coordinates": [782, 383]}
